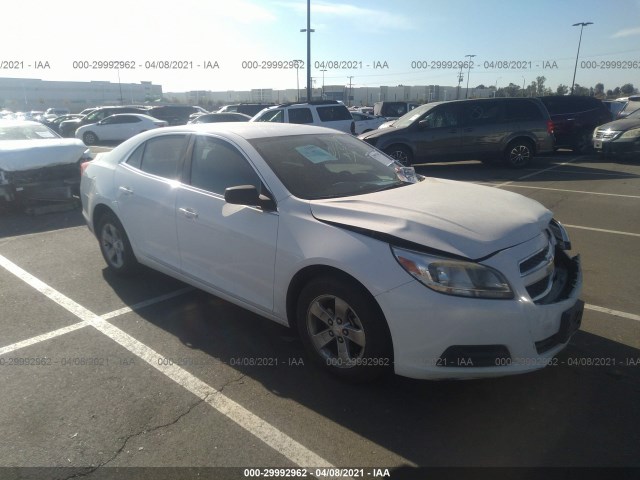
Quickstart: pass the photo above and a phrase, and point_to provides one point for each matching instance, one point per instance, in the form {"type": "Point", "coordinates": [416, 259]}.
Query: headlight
{"type": "Point", "coordinates": [633, 133]}
{"type": "Point", "coordinates": [560, 234]}
{"type": "Point", "coordinates": [454, 277]}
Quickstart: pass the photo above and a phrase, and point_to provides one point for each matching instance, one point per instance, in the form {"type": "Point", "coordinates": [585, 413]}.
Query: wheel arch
{"type": "Point", "coordinates": [302, 277]}
{"type": "Point", "coordinates": [522, 137]}
{"type": "Point", "coordinates": [98, 212]}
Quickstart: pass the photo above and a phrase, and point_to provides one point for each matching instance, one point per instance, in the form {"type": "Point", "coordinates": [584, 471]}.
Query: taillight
{"type": "Point", "coordinates": [550, 127]}
{"type": "Point", "coordinates": [83, 167]}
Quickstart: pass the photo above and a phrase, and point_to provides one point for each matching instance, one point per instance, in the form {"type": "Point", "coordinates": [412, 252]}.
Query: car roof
{"type": "Point", "coordinates": [20, 123]}
{"type": "Point", "coordinates": [251, 130]}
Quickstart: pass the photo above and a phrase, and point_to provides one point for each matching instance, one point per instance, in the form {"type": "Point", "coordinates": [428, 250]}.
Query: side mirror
{"type": "Point", "coordinates": [248, 195]}
{"type": "Point", "coordinates": [423, 124]}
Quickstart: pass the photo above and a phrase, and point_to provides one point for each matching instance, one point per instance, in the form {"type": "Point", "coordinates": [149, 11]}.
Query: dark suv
{"type": "Point", "coordinates": [574, 119]}
{"type": "Point", "coordinates": [174, 114]}
{"type": "Point", "coordinates": [508, 129]}
{"type": "Point", "coordinates": [68, 127]}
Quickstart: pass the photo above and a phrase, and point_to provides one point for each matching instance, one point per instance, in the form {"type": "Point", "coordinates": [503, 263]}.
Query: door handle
{"type": "Point", "coordinates": [188, 212]}
{"type": "Point", "coordinates": [126, 190]}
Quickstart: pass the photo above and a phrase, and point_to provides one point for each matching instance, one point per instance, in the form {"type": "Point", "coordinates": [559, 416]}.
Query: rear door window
{"type": "Point", "coordinates": [300, 115]}
{"type": "Point", "coordinates": [481, 113]}
{"type": "Point", "coordinates": [163, 156]}
{"type": "Point", "coordinates": [521, 110]}
{"type": "Point", "coordinates": [333, 113]}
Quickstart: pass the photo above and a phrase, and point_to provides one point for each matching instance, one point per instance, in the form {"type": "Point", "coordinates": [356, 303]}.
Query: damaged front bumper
{"type": "Point", "coordinates": [58, 183]}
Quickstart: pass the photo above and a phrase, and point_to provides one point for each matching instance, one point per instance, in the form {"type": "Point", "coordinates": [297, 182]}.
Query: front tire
{"type": "Point", "coordinates": [115, 246]}
{"type": "Point", "coordinates": [518, 153]}
{"type": "Point", "coordinates": [343, 330]}
{"type": "Point", "coordinates": [400, 153]}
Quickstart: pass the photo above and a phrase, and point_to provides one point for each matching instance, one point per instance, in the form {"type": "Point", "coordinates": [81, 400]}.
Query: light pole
{"type": "Point", "coordinates": [468, 75]}
{"type": "Point", "coordinates": [308, 30]}
{"type": "Point", "coordinates": [459, 82]}
{"type": "Point", "coordinates": [495, 92]}
{"type": "Point", "coordinates": [523, 94]}
{"type": "Point", "coordinates": [323, 70]}
{"type": "Point", "coordinates": [350, 90]}
{"type": "Point", "coordinates": [582, 25]}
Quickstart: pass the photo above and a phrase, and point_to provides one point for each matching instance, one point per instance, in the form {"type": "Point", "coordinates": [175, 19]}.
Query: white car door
{"type": "Point", "coordinates": [230, 248]}
{"type": "Point", "coordinates": [146, 194]}
{"type": "Point", "coordinates": [104, 128]}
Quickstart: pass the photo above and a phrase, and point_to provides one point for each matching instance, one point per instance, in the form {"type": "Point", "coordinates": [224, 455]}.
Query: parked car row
{"type": "Point", "coordinates": [508, 129]}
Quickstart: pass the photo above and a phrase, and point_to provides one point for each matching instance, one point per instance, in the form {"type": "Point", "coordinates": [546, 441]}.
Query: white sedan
{"type": "Point", "coordinates": [378, 269]}
{"type": "Point", "coordinates": [118, 127]}
{"type": "Point", "coordinates": [366, 123]}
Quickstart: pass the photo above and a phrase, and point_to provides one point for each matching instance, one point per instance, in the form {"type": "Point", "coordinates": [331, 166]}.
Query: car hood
{"type": "Point", "coordinates": [621, 125]}
{"type": "Point", "coordinates": [458, 218]}
{"type": "Point", "coordinates": [21, 155]}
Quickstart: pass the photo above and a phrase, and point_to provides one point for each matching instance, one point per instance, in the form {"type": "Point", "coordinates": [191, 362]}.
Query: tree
{"type": "Point", "coordinates": [512, 90]}
{"type": "Point", "coordinates": [599, 91]}
{"type": "Point", "coordinates": [580, 90]}
{"type": "Point", "coordinates": [616, 91]}
{"type": "Point", "coordinates": [627, 89]}
{"type": "Point", "coordinates": [609, 93]}
{"type": "Point", "coordinates": [481, 86]}
{"type": "Point", "coordinates": [539, 85]}
{"type": "Point", "coordinates": [562, 89]}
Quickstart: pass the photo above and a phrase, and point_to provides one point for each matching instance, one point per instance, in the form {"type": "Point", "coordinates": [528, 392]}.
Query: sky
{"type": "Point", "coordinates": [367, 43]}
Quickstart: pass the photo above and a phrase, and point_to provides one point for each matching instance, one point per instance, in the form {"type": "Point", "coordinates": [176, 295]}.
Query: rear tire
{"type": "Point", "coordinates": [518, 153]}
{"type": "Point", "coordinates": [115, 246]}
{"type": "Point", "coordinates": [343, 330]}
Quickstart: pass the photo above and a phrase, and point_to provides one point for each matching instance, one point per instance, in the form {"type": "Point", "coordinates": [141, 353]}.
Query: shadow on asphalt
{"type": "Point", "coordinates": [15, 222]}
{"type": "Point", "coordinates": [579, 412]}
{"type": "Point", "coordinates": [584, 167]}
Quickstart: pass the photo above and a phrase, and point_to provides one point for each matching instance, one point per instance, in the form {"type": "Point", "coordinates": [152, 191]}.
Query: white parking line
{"type": "Point", "coordinates": [270, 435]}
{"type": "Point", "coordinates": [616, 232]}
{"type": "Point", "coordinates": [561, 190]}
{"type": "Point", "coordinates": [41, 338]}
{"type": "Point", "coordinates": [578, 172]}
{"type": "Point", "coordinates": [615, 313]}
{"type": "Point", "coordinates": [146, 303]}
{"type": "Point", "coordinates": [37, 234]}
{"type": "Point", "coordinates": [534, 173]}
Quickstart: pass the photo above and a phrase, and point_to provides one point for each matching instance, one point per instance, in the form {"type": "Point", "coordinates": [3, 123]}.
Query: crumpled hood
{"type": "Point", "coordinates": [21, 155]}
{"type": "Point", "coordinates": [460, 218]}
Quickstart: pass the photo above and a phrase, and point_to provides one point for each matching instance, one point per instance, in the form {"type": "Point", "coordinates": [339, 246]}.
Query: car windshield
{"type": "Point", "coordinates": [327, 165]}
{"type": "Point", "coordinates": [411, 116]}
{"type": "Point", "coordinates": [26, 132]}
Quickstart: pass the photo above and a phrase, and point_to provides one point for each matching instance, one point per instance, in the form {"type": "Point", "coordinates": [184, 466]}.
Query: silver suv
{"type": "Point", "coordinates": [325, 113]}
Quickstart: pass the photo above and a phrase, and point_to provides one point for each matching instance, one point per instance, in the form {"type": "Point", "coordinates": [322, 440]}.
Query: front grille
{"type": "Point", "coordinates": [538, 289]}
{"type": "Point", "coordinates": [532, 262]}
{"type": "Point", "coordinates": [538, 270]}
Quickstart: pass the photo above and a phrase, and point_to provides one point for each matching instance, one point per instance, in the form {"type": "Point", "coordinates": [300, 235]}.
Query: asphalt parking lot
{"type": "Point", "coordinates": [99, 371]}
